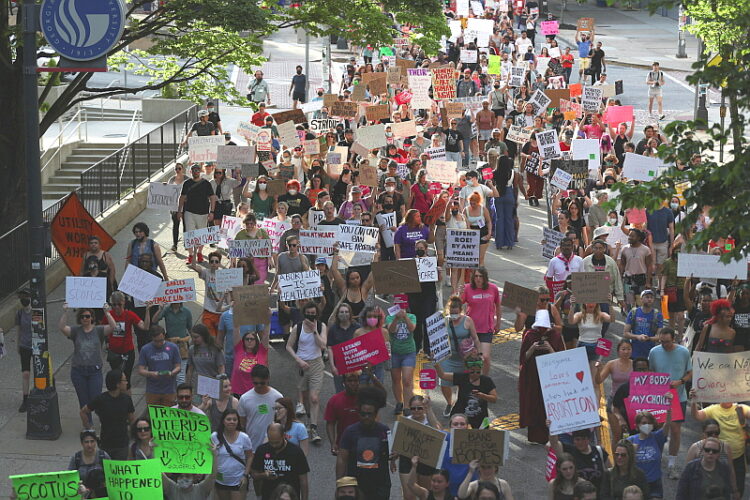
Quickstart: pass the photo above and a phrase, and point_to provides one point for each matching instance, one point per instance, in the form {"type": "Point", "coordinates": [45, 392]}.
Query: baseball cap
{"type": "Point", "coordinates": [346, 481]}
{"type": "Point", "coordinates": [195, 166]}
{"type": "Point", "coordinates": [390, 179]}
{"type": "Point", "coordinates": [321, 260]}
{"type": "Point", "coordinates": [647, 292]}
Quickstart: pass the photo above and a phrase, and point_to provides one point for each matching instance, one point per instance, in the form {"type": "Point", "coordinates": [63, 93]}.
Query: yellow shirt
{"type": "Point", "coordinates": [731, 430]}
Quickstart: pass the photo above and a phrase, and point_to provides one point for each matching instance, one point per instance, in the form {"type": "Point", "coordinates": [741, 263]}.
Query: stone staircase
{"type": "Point", "coordinates": [93, 113]}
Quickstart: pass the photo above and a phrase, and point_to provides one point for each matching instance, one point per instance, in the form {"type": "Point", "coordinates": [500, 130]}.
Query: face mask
{"type": "Point", "coordinates": [388, 206]}
{"type": "Point", "coordinates": [311, 317]}
{"type": "Point", "coordinates": [455, 316]}
{"type": "Point", "coordinates": [420, 253]}
{"type": "Point", "coordinates": [454, 212]}
{"type": "Point", "coordinates": [372, 321]}
{"type": "Point", "coordinates": [646, 428]}
{"type": "Point", "coordinates": [613, 221]}
{"type": "Point", "coordinates": [262, 186]}
{"type": "Point", "coordinates": [708, 220]}
{"type": "Point", "coordinates": [674, 206]}
{"type": "Point", "coordinates": [390, 189]}
{"type": "Point", "coordinates": [497, 87]}
{"type": "Point", "coordinates": [292, 192]}
{"type": "Point", "coordinates": [25, 301]}
{"type": "Point", "coordinates": [346, 497]}
{"type": "Point", "coordinates": [184, 483]}
{"type": "Point", "coordinates": [473, 182]}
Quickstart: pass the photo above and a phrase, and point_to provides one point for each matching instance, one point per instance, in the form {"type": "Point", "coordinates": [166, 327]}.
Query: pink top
{"type": "Point", "coordinates": [243, 364]}
{"type": "Point", "coordinates": [480, 306]}
{"type": "Point", "coordinates": [593, 131]}
{"type": "Point", "coordinates": [619, 377]}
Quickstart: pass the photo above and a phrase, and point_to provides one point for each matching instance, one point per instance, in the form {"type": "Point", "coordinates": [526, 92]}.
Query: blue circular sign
{"type": "Point", "coordinates": [82, 30]}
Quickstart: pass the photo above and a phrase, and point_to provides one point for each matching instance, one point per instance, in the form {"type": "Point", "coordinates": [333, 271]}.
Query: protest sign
{"type": "Point", "coordinates": [248, 131]}
{"type": "Point", "coordinates": [462, 8]}
{"type": "Point", "coordinates": [276, 228]}
{"type": "Point", "coordinates": [386, 222]}
{"type": "Point", "coordinates": [591, 287]}
{"type": "Point", "coordinates": [203, 149]}
{"type": "Point", "coordinates": [437, 333]}
{"type": "Point", "coordinates": [71, 228]}
{"type": "Point", "coordinates": [139, 284]}
{"type": "Point", "coordinates": [550, 471]}
{"type": "Point", "coordinates": [709, 266]}
{"type": "Point", "coordinates": [412, 439]}
{"type": "Point", "coordinates": [549, 144]}
{"type": "Point", "coordinates": [541, 65]}
{"type": "Point", "coordinates": [656, 404]}
{"type": "Point", "coordinates": [615, 236]}
{"type": "Point", "coordinates": [539, 101]}
{"type": "Point", "coordinates": [163, 196]}
{"type": "Point", "coordinates": [516, 76]}
{"type": "Point", "coordinates": [182, 440]}
{"type": "Point", "coordinates": [476, 8]}
{"type": "Point", "coordinates": [137, 479]}
{"type": "Point", "coordinates": [264, 140]}
{"type": "Point", "coordinates": [603, 347]}
{"type": "Point", "coordinates": [376, 82]}
{"type": "Point", "coordinates": [436, 153]}
{"type": "Point", "coordinates": [462, 248]}
{"type": "Point", "coordinates": [46, 486]}
{"type": "Point", "coordinates": [355, 353]}
{"type": "Point", "coordinates": [592, 99]}
{"type": "Point", "coordinates": [469, 56]}
{"type": "Point", "coordinates": [615, 115]}
{"type": "Point", "coordinates": [641, 168]}
{"type": "Point", "coordinates": [721, 378]}
{"type": "Point", "coordinates": [234, 156]}
{"type": "Point", "coordinates": [250, 305]}
{"type": "Point", "coordinates": [518, 134]}
{"type": "Point", "coordinates": [318, 241]}
{"type": "Point", "coordinates": [442, 171]}
{"type": "Point", "coordinates": [314, 217]}
{"type": "Point", "coordinates": [519, 296]}
{"type": "Point", "coordinates": [488, 446]}
{"type": "Point", "coordinates": [250, 248]}
{"type": "Point", "coordinates": [311, 147]}
{"type": "Point", "coordinates": [437, 209]}
{"type": "Point", "coordinates": [359, 149]}
{"type": "Point", "coordinates": [618, 87]}
{"type": "Point", "coordinates": [344, 109]}
{"type": "Point", "coordinates": [454, 110]}
{"type": "Point", "coordinates": [288, 134]}
{"type": "Point", "coordinates": [174, 291]}
{"type": "Point", "coordinates": [404, 129]}
{"type": "Point", "coordinates": [329, 99]}
{"type": "Point", "coordinates": [493, 67]}
{"type": "Point", "coordinates": [276, 187]}
{"type": "Point", "coordinates": [312, 106]}
{"type": "Point", "coordinates": [396, 276]}
{"type": "Point", "coordinates": [368, 176]}
{"type": "Point", "coordinates": [371, 137]}
{"type": "Point", "coordinates": [200, 237]}
{"type": "Point", "coordinates": [550, 28]}
{"type": "Point", "coordinates": [443, 82]}
{"type": "Point", "coordinates": [229, 228]}
{"type": "Point", "coordinates": [420, 80]}
{"type": "Point", "coordinates": [226, 279]}
{"type": "Point", "coordinates": [299, 286]}
{"type": "Point", "coordinates": [578, 168]}
{"type": "Point", "coordinates": [427, 269]}
{"type": "Point", "coordinates": [561, 179]}
{"type": "Point", "coordinates": [567, 106]}
{"type": "Point", "coordinates": [321, 125]}
{"type": "Point", "coordinates": [394, 75]}
{"type": "Point", "coordinates": [353, 238]}
{"type": "Point", "coordinates": [586, 149]}
{"type": "Point", "coordinates": [208, 386]}
{"type": "Point", "coordinates": [85, 292]}
{"type": "Point", "coordinates": [585, 24]}
{"type": "Point", "coordinates": [377, 112]}
{"type": "Point", "coordinates": [427, 379]}
{"type": "Point", "coordinates": [568, 391]}
{"type": "Point", "coordinates": [479, 29]}
{"type": "Point", "coordinates": [295, 115]}
{"type": "Point", "coordinates": [359, 93]}
{"type": "Point", "coordinates": [552, 240]}
{"type": "Point", "coordinates": [576, 89]}
{"type": "Point", "coordinates": [556, 95]}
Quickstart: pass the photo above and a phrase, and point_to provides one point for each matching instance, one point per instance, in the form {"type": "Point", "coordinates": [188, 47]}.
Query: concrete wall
{"type": "Point", "coordinates": [66, 150]}
{"type": "Point", "coordinates": [157, 110]}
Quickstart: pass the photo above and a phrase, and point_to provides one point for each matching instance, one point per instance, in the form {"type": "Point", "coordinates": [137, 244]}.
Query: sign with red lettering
{"type": "Point", "coordinates": [71, 228]}
{"type": "Point", "coordinates": [175, 291]}
{"type": "Point", "coordinates": [355, 353]}
{"type": "Point", "coordinates": [427, 379]}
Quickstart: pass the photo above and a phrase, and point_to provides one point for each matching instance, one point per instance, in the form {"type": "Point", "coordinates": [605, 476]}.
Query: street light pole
{"type": "Point", "coordinates": [43, 414]}
{"type": "Point", "coordinates": [701, 112]}
{"type": "Point", "coordinates": [307, 65]}
{"type": "Point", "coordinates": [681, 23]}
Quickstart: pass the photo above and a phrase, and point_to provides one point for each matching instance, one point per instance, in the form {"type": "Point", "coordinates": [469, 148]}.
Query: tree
{"type": "Point", "coordinates": [724, 27]}
{"type": "Point", "coordinates": [195, 42]}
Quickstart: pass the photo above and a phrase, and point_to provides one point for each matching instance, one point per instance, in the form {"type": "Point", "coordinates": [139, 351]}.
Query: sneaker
{"type": "Point", "coordinates": [299, 410]}
{"type": "Point", "coordinates": [399, 409]}
{"type": "Point", "coordinates": [407, 412]}
{"type": "Point", "coordinates": [661, 117]}
{"type": "Point", "coordinates": [22, 408]}
{"type": "Point", "coordinates": [447, 410]}
{"type": "Point", "coordinates": [200, 257]}
{"type": "Point", "coordinates": [673, 472]}
{"type": "Point", "coordinates": [314, 437]}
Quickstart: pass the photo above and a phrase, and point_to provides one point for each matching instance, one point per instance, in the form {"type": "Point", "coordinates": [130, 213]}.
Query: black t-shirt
{"type": "Point", "coordinates": [289, 463]}
{"type": "Point", "coordinates": [298, 204]}
{"type": "Point", "coordinates": [202, 129]}
{"type": "Point", "coordinates": [214, 118]}
{"type": "Point", "coordinates": [335, 222]}
{"type": "Point", "coordinates": [113, 414]}
{"type": "Point", "coordinates": [596, 57]}
{"type": "Point", "coordinates": [197, 193]}
{"type": "Point", "coordinates": [590, 466]}
{"type": "Point", "coordinates": [453, 140]}
{"type": "Point", "coordinates": [337, 335]}
{"type": "Point", "coordinates": [299, 82]}
{"type": "Point", "coordinates": [473, 407]}
{"type": "Point", "coordinates": [368, 455]}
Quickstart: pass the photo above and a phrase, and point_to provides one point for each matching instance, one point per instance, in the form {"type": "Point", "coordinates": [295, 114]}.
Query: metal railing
{"type": "Point", "coordinates": [103, 185]}
{"type": "Point", "coordinates": [80, 127]}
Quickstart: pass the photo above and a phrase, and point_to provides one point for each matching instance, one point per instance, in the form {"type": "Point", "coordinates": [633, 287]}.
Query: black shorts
{"type": "Point", "coordinates": [678, 306]}
{"type": "Point", "coordinates": [299, 97]}
{"type": "Point", "coordinates": [485, 338]}
{"type": "Point", "coordinates": [499, 112]}
{"type": "Point", "coordinates": [224, 487]}
{"type": "Point", "coordinates": [25, 354]}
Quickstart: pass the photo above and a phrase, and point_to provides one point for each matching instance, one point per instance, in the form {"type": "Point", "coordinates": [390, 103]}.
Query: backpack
{"type": "Point", "coordinates": [318, 325]}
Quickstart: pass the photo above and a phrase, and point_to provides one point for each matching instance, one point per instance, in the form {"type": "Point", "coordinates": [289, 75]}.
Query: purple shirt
{"type": "Point", "coordinates": [407, 238]}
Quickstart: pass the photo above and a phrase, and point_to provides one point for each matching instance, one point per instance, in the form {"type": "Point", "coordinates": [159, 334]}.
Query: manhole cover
{"type": "Point", "coordinates": [115, 135]}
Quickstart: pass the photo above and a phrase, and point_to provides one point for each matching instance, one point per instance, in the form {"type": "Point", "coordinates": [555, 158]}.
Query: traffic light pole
{"type": "Point", "coordinates": [43, 412]}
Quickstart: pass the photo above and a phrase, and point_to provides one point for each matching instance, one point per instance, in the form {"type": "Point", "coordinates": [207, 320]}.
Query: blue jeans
{"type": "Point", "coordinates": [87, 381]}
{"type": "Point", "coordinates": [505, 231]}
{"type": "Point", "coordinates": [467, 152]}
{"type": "Point", "coordinates": [451, 156]}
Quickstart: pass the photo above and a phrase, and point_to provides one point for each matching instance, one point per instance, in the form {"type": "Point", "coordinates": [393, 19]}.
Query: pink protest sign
{"type": "Point", "coordinates": [435, 188]}
{"type": "Point", "coordinates": [427, 379]}
{"type": "Point", "coordinates": [615, 115]}
{"type": "Point", "coordinates": [357, 352]}
{"type": "Point", "coordinates": [549, 468]}
{"type": "Point", "coordinates": [550, 28]}
{"type": "Point", "coordinates": [486, 173]}
{"type": "Point", "coordinates": [401, 300]}
{"type": "Point", "coordinates": [655, 404]}
{"type": "Point", "coordinates": [603, 347]}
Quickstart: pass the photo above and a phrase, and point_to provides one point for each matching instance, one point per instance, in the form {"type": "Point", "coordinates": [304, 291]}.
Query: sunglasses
{"type": "Point", "coordinates": [366, 413]}
{"type": "Point", "coordinates": [293, 245]}
{"type": "Point", "coordinates": [85, 316]}
{"type": "Point", "coordinates": [144, 429]}
{"type": "Point", "coordinates": [712, 451]}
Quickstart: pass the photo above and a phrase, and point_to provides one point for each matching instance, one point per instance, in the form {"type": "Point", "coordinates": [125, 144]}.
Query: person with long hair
{"type": "Point", "coordinates": [507, 182]}
{"type": "Point", "coordinates": [624, 473]}
{"type": "Point", "coordinates": [717, 334]}
{"type": "Point", "coordinates": [371, 319]}
{"type": "Point", "coordinates": [436, 490]}
{"type": "Point", "coordinates": [235, 454]}
{"type": "Point", "coordinates": [352, 289]}
{"type": "Point", "coordinates": [619, 369]}
{"type": "Point", "coordinates": [589, 321]}
{"type": "Point", "coordinates": [284, 492]}
{"type": "Point", "coordinates": [253, 232]}
{"type": "Point", "coordinates": [566, 479]}
{"type": "Point", "coordinates": [294, 431]}
{"type": "Point", "coordinates": [487, 473]}
{"type": "Point", "coordinates": [204, 356]}
{"type": "Point", "coordinates": [341, 328]}
{"type": "Point", "coordinates": [478, 217]}
{"type": "Point", "coordinates": [403, 350]}
{"type": "Point", "coordinates": [421, 411]}
{"type": "Point", "coordinates": [420, 198]}
{"type": "Point", "coordinates": [250, 349]}
{"type": "Point", "coordinates": [482, 300]}
{"type": "Point", "coordinates": [409, 233]}
{"type": "Point", "coordinates": [142, 446]}
{"type": "Point", "coordinates": [475, 390]}
{"type": "Point", "coordinates": [261, 202]}
{"type": "Point", "coordinates": [424, 303]}
{"type": "Point", "coordinates": [143, 245]}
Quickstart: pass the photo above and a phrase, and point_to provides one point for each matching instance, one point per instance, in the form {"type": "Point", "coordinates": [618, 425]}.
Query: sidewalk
{"type": "Point", "coordinates": [630, 38]}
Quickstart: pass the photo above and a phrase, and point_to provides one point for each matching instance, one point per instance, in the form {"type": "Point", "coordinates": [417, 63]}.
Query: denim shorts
{"type": "Point", "coordinates": [656, 489]}
{"type": "Point", "coordinates": [401, 360]}
{"type": "Point", "coordinates": [590, 350]}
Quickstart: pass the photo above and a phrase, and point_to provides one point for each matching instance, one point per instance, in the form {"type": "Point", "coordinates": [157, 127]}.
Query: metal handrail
{"type": "Point", "coordinates": [61, 139]}
{"type": "Point", "coordinates": [126, 149]}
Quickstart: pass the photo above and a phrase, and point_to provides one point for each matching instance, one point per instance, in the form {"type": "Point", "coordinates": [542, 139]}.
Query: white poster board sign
{"type": "Point", "coordinates": [442, 171]}
{"type": "Point", "coordinates": [208, 386]}
{"type": "Point", "coordinates": [641, 168]}
{"type": "Point", "coordinates": [462, 248]}
{"type": "Point", "coordinates": [709, 266]}
{"type": "Point", "coordinates": [250, 248]}
{"type": "Point", "coordinates": [386, 222]}
{"type": "Point", "coordinates": [437, 333]}
{"type": "Point", "coordinates": [85, 291]}
{"type": "Point", "coordinates": [353, 238]}
{"type": "Point", "coordinates": [163, 196]}
{"type": "Point", "coordinates": [139, 284]}
{"type": "Point", "coordinates": [549, 144]}
{"type": "Point", "coordinates": [552, 240]}
{"type": "Point", "coordinates": [721, 378]}
{"type": "Point", "coordinates": [561, 179]}
{"type": "Point", "coordinates": [200, 237]}
{"type": "Point", "coordinates": [299, 286]}
{"type": "Point", "coordinates": [174, 291]}
{"type": "Point", "coordinates": [586, 149]}
{"type": "Point", "coordinates": [318, 241]}
{"type": "Point", "coordinates": [226, 279]}
{"type": "Point", "coordinates": [204, 148]}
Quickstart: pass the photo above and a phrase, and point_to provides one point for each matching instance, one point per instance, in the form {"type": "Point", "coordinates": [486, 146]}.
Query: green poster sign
{"type": "Point", "coordinates": [493, 68]}
{"type": "Point", "coordinates": [47, 485]}
{"type": "Point", "coordinates": [182, 439]}
{"type": "Point", "coordinates": [133, 479]}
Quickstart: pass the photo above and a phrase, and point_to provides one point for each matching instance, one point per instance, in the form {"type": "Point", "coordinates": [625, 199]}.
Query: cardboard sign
{"type": "Point", "coordinates": [552, 240]}
{"type": "Point", "coordinates": [454, 110]}
{"type": "Point", "coordinates": [585, 24]}
{"type": "Point", "coordinates": [641, 168]}
{"type": "Point", "coordinates": [591, 288]}
{"type": "Point", "coordinates": [396, 276]}
{"type": "Point", "coordinates": [412, 439]}
{"type": "Point", "coordinates": [362, 239]}
{"type": "Point", "coordinates": [438, 207]}
{"type": "Point", "coordinates": [163, 196]}
{"type": "Point", "coordinates": [204, 149]}
{"type": "Point", "coordinates": [288, 135]}
{"type": "Point", "coordinates": [603, 347]}
{"type": "Point", "coordinates": [377, 112]}
{"type": "Point", "coordinates": [462, 248]}
{"type": "Point", "coordinates": [377, 83]}
{"type": "Point", "coordinates": [394, 75]}
{"type": "Point", "coordinates": [183, 440]}
{"type": "Point", "coordinates": [141, 479]}
{"type": "Point", "coordinates": [250, 248]}
{"type": "Point", "coordinates": [519, 296]}
{"type": "Point", "coordinates": [443, 83]}
{"type": "Point", "coordinates": [234, 156]}
{"type": "Point", "coordinates": [568, 391]}
{"type": "Point", "coordinates": [344, 109]}
{"type": "Point", "coordinates": [437, 333]}
{"type": "Point", "coordinates": [427, 268]}
{"type": "Point", "coordinates": [488, 446]}
{"type": "Point", "coordinates": [174, 291]}
{"type": "Point", "coordinates": [405, 129]}
{"type": "Point", "coordinates": [550, 28]}
{"type": "Point", "coordinates": [299, 286]}
{"type": "Point", "coordinates": [427, 379]}
{"type": "Point", "coordinates": [355, 353]}
{"type": "Point", "coordinates": [555, 95]}
{"type": "Point", "coordinates": [561, 179]}
{"type": "Point", "coordinates": [226, 279]}
{"type": "Point", "coordinates": [709, 266]}
{"type": "Point", "coordinates": [46, 485]}
{"type": "Point", "coordinates": [371, 137]}
{"type": "Point", "coordinates": [85, 292]}
{"type": "Point", "coordinates": [442, 171]}
{"type": "Point", "coordinates": [250, 305]}
{"type": "Point", "coordinates": [368, 175]}
{"type": "Point", "coordinates": [359, 93]}
{"type": "Point", "coordinates": [139, 284]}
{"type": "Point", "coordinates": [200, 237]}
{"type": "Point", "coordinates": [321, 125]}
{"type": "Point", "coordinates": [208, 386]}
{"type": "Point", "coordinates": [71, 228]}
{"type": "Point", "coordinates": [329, 99]}
{"type": "Point", "coordinates": [295, 115]}
{"type": "Point", "coordinates": [276, 187]}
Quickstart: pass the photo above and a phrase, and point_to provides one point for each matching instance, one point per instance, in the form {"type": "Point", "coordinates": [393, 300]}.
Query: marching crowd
{"type": "Point", "coordinates": [261, 437]}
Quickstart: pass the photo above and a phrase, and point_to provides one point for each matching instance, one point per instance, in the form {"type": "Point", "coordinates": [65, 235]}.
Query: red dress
{"type": "Point", "coordinates": [531, 403]}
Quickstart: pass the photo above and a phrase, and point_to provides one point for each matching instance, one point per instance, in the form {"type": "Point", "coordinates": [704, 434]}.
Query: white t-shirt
{"type": "Point", "coordinates": [467, 191]}
{"type": "Point", "coordinates": [193, 409]}
{"type": "Point", "coordinates": [258, 410]}
{"type": "Point", "coordinates": [229, 468]}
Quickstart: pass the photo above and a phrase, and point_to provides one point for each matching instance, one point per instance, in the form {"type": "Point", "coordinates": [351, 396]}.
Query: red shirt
{"type": "Point", "coordinates": [259, 119]}
{"type": "Point", "coordinates": [342, 409]}
{"type": "Point", "coordinates": [566, 60]}
{"type": "Point", "coordinates": [121, 340]}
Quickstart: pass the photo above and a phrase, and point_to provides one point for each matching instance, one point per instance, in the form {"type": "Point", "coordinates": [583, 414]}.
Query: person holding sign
{"type": "Point", "coordinates": [351, 289]}
{"type": "Point", "coordinates": [196, 206]}
{"type": "Point", "coordinates": [215, 408]}
{"type": "Point", "coordinates": [205, 357]}
{"type": "Point", "coordinates": [253, 232]}
{"type": "Point", "coordinates": [86, 364]}
{"type": "Point", "coordinates": [261, 202]}
{"type": "Point", "coordinates": [483, 306]}
{"type": "Point", "coordinates": [213, 299]}
{"type": "Point", "coordinates": [403, 350]}
{"type": "Point", "coordinates": [649, 444]}
{"type": "Point", "coordinates": [102, 261]}
{"type": "Point", "coordinates": [191, 486]}
{"type": "Point", "coordinates": [438, 487]}
{"type": "Point", "coordinates": [409, 472]}
{"type": "Point", "coordinates": [90, 457]}
{"type": "Point", "coordinates": [487, 474]}
{"type": "Point", "coordinates": [589, 322]}
{"type": "Point", "coordinates": [474, 390]}
{"type": "Point", "coordinates": [250, 349]}
{"type": "Point", "coordinates": [478, 217]}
